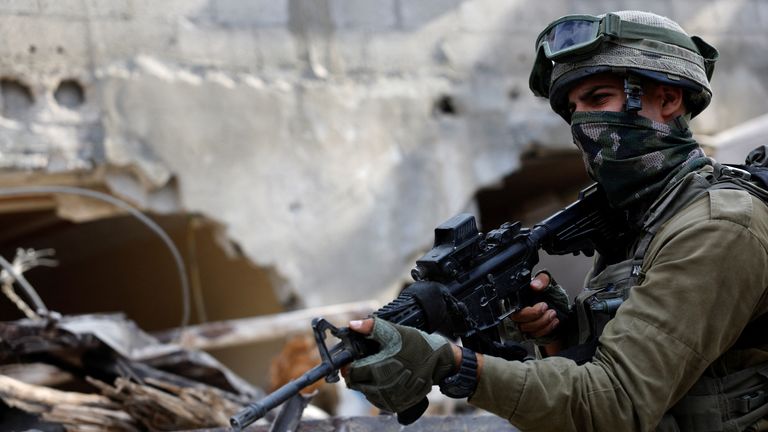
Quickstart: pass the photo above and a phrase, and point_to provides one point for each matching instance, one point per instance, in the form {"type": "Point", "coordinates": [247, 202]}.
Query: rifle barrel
{"type": "Point", "coordinates": [257, 410]}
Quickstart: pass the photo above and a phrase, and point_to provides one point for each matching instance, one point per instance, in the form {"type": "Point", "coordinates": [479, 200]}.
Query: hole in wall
{"type": "Point", "coordinates": [117, 264]}
{"type": "Point", "coordinates": [17, 98]}
{"type": "Point", "coordinates": [445, 105]}
{"type": "Point", "coordinates": [546, 182]}
{"type": "Point", "coordinates": [545, 179]}
{"type": "Point", "coordinates": [70, 94]}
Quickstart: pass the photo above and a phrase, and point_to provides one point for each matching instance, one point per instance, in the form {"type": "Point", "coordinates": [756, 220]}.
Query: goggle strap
{"type": "Point", "coordinates": [541, 75]}
{"type": "Point", "coordinates": [709, 53]}
{"type": "Point", "coordinates": [614, 27]}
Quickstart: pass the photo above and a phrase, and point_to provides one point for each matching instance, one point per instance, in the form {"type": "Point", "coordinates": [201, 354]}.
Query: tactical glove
{"type": "Point", "coordinates": [555, 295]}
{"type": "Point", "coordinates": [557, 299]}
{"type": "Point", "coordinates": [401, 374]}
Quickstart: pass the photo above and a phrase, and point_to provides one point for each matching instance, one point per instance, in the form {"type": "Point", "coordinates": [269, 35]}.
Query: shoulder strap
{"type": "Point", "coordinates": [678, 197]}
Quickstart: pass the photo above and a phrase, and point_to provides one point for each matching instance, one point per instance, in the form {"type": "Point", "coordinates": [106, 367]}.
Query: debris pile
{"type": "Point", "coordinates": [102, 373]}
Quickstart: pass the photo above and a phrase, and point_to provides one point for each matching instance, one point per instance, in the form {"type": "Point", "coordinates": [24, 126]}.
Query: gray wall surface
{"type": "Point", "coordinates": [329, 137]}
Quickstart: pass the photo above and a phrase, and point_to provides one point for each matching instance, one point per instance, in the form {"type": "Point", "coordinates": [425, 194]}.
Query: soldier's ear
{"type": "Point", "coordinates": [672, 103]}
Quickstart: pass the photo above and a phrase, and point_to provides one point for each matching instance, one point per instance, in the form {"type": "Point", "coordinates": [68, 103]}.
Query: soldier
{"type": "Point", "coordinates": [667, 336]}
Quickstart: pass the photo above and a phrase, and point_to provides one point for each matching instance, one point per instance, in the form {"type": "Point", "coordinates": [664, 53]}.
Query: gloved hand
{"type": "Point", "coordinates": [555, 295]}
{"type": "Point", "coordinates": [539, 321]}
{"type": "Point", "coordinates": [409, 362]}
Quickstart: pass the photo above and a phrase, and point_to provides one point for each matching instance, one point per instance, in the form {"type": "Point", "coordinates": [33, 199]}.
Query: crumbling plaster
{"type": "Point", "coordinates": [310, 128]}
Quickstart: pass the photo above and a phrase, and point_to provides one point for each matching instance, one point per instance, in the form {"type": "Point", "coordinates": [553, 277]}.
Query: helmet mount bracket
{"type": "Point", "coordinates": [633, 88]}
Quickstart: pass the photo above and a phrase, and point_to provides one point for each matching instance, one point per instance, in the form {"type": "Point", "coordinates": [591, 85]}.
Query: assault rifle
{"type": "Point", "coordinates": [477, 281]}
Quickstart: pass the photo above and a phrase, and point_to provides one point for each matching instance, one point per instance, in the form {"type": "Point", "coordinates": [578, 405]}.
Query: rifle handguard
{"type": "Point", "coordinates": [431, 297]}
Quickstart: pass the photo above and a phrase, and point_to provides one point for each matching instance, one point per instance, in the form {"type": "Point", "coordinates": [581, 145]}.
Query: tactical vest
{"type": "Point", "coordinates": [730, 403]}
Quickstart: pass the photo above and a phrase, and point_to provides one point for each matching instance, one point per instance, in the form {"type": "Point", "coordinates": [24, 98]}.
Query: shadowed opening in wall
{"type": "Point", "coordinates": [546, 181]}
{"type": "Point", "coordinates": [17, 98]}
{"type": "Point", "coordinates": [445, 105]}
{"type": "Point", "coordinates": [70, 94]}
{"type": "Point", "coordinates": [116, 264]}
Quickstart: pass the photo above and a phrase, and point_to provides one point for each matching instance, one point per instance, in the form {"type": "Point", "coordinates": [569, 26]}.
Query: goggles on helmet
{"type": "Point", "coordinates": [576, 36]}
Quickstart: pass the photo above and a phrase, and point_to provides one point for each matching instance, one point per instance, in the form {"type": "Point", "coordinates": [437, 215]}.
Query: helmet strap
{"type": "Point", "coordinates": [634, 90]}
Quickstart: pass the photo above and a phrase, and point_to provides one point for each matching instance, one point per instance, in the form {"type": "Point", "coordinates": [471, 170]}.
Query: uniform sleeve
{"type": "Point", "coordinates": [702, 283]}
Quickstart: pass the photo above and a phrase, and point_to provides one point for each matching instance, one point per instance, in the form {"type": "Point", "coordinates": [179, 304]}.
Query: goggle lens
{"type": "Point", "coordinates": [567, 36]}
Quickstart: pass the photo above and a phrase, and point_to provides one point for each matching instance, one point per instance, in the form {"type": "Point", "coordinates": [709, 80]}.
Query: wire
{"type": "Point", "coordinates": [40, 307]}
{"type": "Point", "coordinates": [194, 270]}
{"type": "Point", "coordinates": [71, 190]}
{"type": "Point", "coordinates": [9, 292]}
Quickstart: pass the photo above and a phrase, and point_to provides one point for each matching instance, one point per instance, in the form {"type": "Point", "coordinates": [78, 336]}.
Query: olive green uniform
{"type": "Point", "coordinates": [705, 278]}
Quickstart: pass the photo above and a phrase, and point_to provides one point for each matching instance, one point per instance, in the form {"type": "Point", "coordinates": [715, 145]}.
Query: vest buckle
{"type": "Point", "coordinates": [749, 402]}
{"type": "Point", "coordinates": [734, 172]}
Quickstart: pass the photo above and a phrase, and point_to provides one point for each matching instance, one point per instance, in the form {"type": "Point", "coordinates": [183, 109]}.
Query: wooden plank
{"type": "Point", "coordinates": [41, 374]}
{"type": "Point", "coordinates": [26, 204]}
{"type": "Point", "coordinates": [12, 390]}
{"type": "Point", "coordinates": [163, 406]}
{"type": "Point", "coordinates": [79, 412]}
{"type": "Point", "coordinates": [245, 331]}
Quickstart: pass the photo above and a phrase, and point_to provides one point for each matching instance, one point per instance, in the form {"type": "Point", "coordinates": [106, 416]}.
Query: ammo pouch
{"type": "Point", "coordinates": [730, 404]}
{"type": "Point", "coordinates": [596, 305]}
{"type": "Point", "coordinates": [598, 302]}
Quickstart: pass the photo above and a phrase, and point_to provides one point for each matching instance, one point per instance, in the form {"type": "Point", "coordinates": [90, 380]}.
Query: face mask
{"type": "Point", "coordinates": [633, 157]}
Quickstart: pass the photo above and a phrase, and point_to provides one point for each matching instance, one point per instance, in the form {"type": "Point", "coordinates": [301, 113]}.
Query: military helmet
{"type": "Point", "coordinates": [635, 43]}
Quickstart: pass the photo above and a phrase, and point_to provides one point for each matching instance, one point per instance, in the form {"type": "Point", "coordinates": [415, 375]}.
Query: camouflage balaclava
{"type": "Point", "coordinates": [634, 157]}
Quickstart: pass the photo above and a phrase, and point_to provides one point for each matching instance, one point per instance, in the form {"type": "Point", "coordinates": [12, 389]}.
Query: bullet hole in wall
{"type": "Point", "coordinates": [32, 49]}
{"type": "Point", "coordinates": [69, 94]}
{"type": "Point", "coordinates": [291, 301]}
{"type": "Point", "coordinates": [514, 93]}
{"type": "Point", "coordinates": [60, 50]}
{"type": "Point", "coordinates": [17, 98]}
{"type": "Point", "coordinates": [445, 105]}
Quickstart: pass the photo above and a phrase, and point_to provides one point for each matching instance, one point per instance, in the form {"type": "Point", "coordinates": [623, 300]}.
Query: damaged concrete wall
{"type": "Point", "coordinates": [328, 136]}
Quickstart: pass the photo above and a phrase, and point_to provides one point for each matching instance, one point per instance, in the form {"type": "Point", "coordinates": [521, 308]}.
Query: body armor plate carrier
{"type": "Point", "coordinates": [729, 403]}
